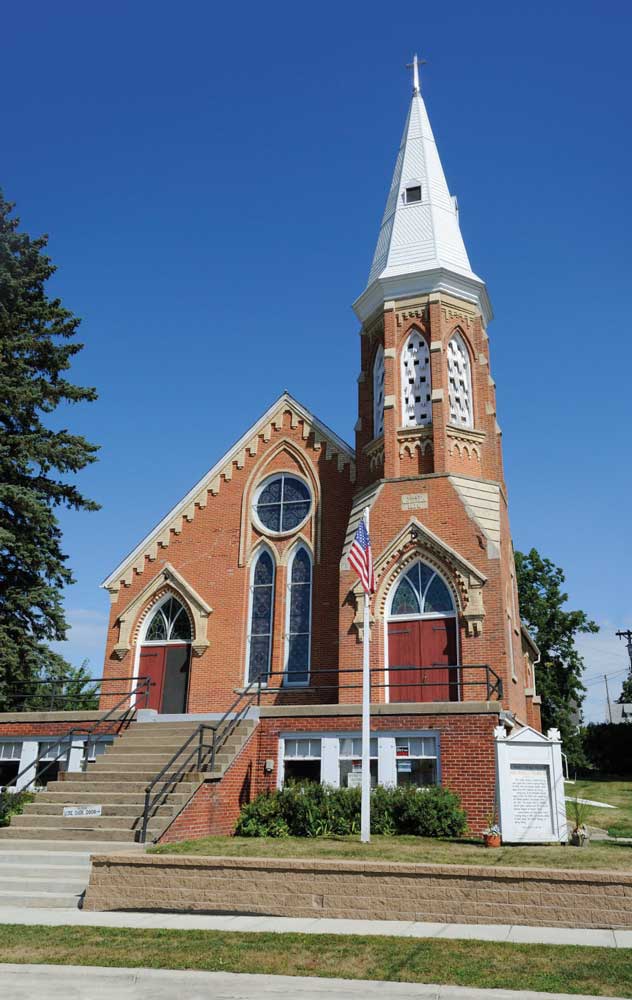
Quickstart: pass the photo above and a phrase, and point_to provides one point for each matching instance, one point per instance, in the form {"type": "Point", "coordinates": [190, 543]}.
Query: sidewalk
{"type": "Point", "coordinates": [71, 982]}
{"type": "Point", "coordinates": [515, 933]}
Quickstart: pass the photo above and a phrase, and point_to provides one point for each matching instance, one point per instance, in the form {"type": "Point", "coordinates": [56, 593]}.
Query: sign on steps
{"type": "Point", "coordinates": [70, 811]}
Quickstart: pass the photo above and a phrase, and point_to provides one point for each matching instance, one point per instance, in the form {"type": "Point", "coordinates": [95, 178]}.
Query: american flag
{"type": "Point", "coordinates": [361, 559]}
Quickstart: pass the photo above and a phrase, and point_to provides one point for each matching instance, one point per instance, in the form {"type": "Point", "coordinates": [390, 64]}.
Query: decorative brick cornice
{"type": "Point", "coordinates": [315, 433]}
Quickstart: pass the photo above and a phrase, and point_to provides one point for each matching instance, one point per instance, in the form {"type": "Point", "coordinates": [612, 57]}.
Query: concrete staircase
{"type": "Point", "coordinates": [116, 781]}
{"type": "Point", "coordinates": [46, 874]}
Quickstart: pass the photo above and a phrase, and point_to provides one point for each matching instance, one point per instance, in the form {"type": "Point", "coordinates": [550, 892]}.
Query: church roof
{"type": "Point", "coordinates": [211, 481]}
{"type": "Point", "coordinates": [420, 247]}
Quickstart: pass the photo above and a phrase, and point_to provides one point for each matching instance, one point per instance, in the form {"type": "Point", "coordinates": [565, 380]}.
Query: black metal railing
{"type": "Point", "coordinates": [199, 751]}
{"type": "Point", "coordinates": [104, 726]}
{"type": "Point", "coordinates": [52, 694]}
{"type": "Point", "coordinates": [454, 680]}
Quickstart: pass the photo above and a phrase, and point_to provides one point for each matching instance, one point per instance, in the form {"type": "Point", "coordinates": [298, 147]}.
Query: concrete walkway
{"type": "Point", "coordinates": [71, 982]}
{"type": "Point", "coordinates": [515, 933]}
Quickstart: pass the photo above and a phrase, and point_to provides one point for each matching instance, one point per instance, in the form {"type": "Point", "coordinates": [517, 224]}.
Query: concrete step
{"type": "Point", "coordinates": [59, 849]}
{"type": "Point", "coordinates": [98, 797]}
{"type": "Point", "coordinates": [106, 836]}
{"type": "Point", "coordinates": [27, 822]}
{"type": "Point", "coordinates": [128, 748]}
{"type": "Point", "coordinates": [59, 884]}
{"type": "Point", "coordinates": [114, 776]}
{"type": "Point", "coordinates": [144, 763]}
{"type": "Point", "coordinates": [46, 900]}
{"type": "Point", "coordinates": [51, 809]}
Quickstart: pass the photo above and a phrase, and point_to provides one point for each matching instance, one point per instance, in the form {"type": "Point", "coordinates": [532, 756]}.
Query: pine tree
{"type": "Point", "coordinates": [559, 672]}
{"type": "Point", "coordinates": [37, 346]}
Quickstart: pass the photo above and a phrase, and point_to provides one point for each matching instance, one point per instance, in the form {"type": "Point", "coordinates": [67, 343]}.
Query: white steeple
{"type": "Point", "coordinates": [420, 248]}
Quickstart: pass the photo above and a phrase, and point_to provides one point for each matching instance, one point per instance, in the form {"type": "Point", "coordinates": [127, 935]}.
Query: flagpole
{"type": "Point", "coordinates": [365, 815]}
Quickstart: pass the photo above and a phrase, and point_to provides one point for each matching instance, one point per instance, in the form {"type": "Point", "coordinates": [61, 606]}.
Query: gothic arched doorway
{"type": "Point", "coordinates": [165, 655]}
{"type": "Point", "coordinates": [422, 653]}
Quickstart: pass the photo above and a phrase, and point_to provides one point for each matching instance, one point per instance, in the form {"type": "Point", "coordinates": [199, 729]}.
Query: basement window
{"type": "Point", "coordinates": [413, 194]}
{"type": "Point", "coordinates": [301, 760]}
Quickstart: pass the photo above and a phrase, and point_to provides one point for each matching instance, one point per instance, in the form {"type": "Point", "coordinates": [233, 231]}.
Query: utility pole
{"type": "Point", "coordinates": [627, 635]}
{"type": "Point", "coordinates": [605, 677]}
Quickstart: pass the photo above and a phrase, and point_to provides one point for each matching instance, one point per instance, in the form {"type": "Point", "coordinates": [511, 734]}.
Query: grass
{"type": "Point", "coordinates": [547, 968]}
{"type": "Point", "coordinates": [409, 849]}
{"type": "Point", "coordinates": [615, 792]}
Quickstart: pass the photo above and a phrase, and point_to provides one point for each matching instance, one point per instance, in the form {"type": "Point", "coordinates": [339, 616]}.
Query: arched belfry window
{"type": "Point", "coordinates": [378, 393]}
{"type": "Point", "coordinates": [169, 623]}
{"type": "Point", "coordinates": [459, 383]}
{"type": "Point", "coordinates": [421, 591]}
{"type": "Point", "coordinates": [416, 382]}
{"type": "Point", "coordinates": [299, 618]}
{"type": "Point", "coordinates": [261, 616]}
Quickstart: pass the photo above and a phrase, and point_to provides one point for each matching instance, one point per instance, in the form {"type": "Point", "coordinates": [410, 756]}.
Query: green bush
{"type": "Point", "coordinates": [12, 804]}
{"type": "Point", "coordinates": [312, 810]}
{"type": "Point", "coordinates": [608, 747]}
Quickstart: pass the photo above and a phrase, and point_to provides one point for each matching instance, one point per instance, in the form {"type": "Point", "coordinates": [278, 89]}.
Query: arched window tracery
{"type": "Point", "coordinates": [378, 393]}
{"type": "Point", "coordinates": [421, 591]}
{"type": "Point", "coordinates": [416, 382]}
{"type": "Point", "coordinates": [299, 617]}
{"type": "Point", "coordinates": [261, 617]}
{"type": "Point", "coordinates": [459, 383]}
{"type": "Point", "coordinates": [169, 623]}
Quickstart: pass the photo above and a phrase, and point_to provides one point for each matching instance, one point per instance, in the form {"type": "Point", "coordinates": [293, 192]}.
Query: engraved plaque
{"type": "Point", "coordinates": [414, 501]}
{"type": "Point", "coordinates": [531, 798]}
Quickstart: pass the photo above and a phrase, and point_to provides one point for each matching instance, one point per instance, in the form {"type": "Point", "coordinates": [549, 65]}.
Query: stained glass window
{"type": "Point", "coordinates": [378, 393]}
{"type": "Point", "coordinates": [459, 383]}
{"type": "Point", "coordinates": [416, 382]}
{"type": "Point", "coordinates": [283, 503]}
{"type": "Point", "coordinates": [262, 605]}
{"type": "Point", "coordinates": [421, 591]}
{"type": "Point", "coordinates": [299, 618]}
{"type": "Point", "coordinates": [170, 623]}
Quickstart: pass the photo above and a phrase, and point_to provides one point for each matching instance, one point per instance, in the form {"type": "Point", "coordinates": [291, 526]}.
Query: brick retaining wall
{"type": "Point", "coordinates": [362, 890]}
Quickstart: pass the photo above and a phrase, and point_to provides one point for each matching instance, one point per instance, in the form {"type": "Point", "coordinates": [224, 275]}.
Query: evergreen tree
{"type": "Point", "coordinates": [559, 673]}
{"type": "Point", "coordinates": [37, 346]}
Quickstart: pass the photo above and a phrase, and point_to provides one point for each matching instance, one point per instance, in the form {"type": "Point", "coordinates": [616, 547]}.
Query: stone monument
{"type": "Point", "coordinates": [530, 786]}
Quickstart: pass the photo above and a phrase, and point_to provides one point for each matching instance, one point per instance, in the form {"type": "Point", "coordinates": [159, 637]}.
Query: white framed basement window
{"type": "Point", "coordinates": [301, 759]}
{"type": "Point", "coordinates": [335, 758]}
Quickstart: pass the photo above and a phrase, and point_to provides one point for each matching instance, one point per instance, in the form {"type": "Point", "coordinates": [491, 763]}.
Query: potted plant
{"type": "Point", "coordinates": [579, 835]}
{"type": "Point", "coordinates": [491, 833]}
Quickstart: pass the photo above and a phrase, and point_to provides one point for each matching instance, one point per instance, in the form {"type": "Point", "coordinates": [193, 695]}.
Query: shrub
{"type": "Point", "coordinates": [12, 804]}
{"type": "Point", "coordinates": [313, 810]}
{"type": "Point", "coordinates": [609, 747]}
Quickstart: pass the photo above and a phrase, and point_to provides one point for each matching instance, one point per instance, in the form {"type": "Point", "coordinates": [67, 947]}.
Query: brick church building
{"type": "Point", "coordinates": [243, 592]}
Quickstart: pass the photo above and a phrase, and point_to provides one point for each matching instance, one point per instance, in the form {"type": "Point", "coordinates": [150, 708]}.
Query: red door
{"type": "Point", "coordinates": [413, 645]}
{"type": "Point", "coordinates": [152, 665]}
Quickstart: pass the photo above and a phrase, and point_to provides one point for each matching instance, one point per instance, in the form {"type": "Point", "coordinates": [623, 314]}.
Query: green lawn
{"type": "Point", "coordinates": [547, 968]}
{"type": "Point", "coordinates": [617, 793]}
{"type": "Point", "coordinates": [409, 849]}
{"type": "Point", "coordinates": [598, 854]}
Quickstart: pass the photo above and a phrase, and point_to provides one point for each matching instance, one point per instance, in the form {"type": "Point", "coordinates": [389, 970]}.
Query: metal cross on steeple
{"type": "Point", "coordinates": [414, 65]}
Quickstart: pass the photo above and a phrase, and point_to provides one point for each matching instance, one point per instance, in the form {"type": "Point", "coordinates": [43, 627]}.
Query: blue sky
{"type": "Point", "coordinates": [212, 178]}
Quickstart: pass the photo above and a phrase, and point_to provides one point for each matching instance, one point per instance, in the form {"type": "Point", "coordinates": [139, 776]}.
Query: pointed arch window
{"type": "Point", "coordinates": [261, 617]}
{"type": "Point", "coordinates": [421, 591]}
{"type": "Point", "coordinates": [416, 382]}
{"type": "Point", "coordinates": [378, 393]}
{"type": "Point", "coordinates": [299, 618]}
{"type": "Point", "coordinates": [169, 623]}
{"type": "Point", "coordinates": [459, 383]}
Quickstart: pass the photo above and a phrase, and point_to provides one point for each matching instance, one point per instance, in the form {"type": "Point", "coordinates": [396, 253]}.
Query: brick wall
{"type": "Point", "coordinates": [361, 890]}
{"type": "Point", "coordinates": [467, 767]}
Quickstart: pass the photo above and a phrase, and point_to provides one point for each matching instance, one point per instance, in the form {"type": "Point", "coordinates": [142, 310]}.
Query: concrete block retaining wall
{"type": "Point", "coordinates": [361, 890]}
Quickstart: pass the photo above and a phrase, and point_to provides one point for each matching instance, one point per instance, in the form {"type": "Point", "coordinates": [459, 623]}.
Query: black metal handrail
{"type": "Point", "coordinates": [142, 688]}
{"type": "Point", "coordinates": [491, 681]}
{"type": "Point", "coordinates": [198, 747]}
{"type": "Point", "coordinates": [53, 693]}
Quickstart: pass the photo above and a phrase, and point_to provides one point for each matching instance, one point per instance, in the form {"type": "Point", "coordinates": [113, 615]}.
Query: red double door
{"type": "Point", "coordinates": [415, 646]}
{"type": "Point", "coordinates": [168, 670]}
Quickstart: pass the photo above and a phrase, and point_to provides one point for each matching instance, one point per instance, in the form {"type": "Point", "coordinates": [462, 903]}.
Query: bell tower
{"type": "Point", "coordinates": [426, 397]}
{"type": "Point", "coordinates": [428, 445]}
